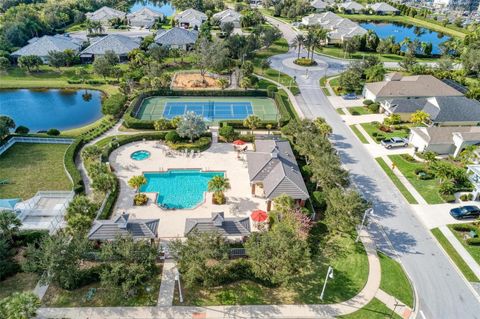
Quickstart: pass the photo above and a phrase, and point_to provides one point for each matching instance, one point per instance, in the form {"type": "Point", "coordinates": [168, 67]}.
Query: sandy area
{"type": "Point", "coordinates": [194, 81]}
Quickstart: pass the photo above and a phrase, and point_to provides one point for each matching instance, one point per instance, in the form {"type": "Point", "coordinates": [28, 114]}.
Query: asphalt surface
{"type": "Point", "coordinates": [442, 292]}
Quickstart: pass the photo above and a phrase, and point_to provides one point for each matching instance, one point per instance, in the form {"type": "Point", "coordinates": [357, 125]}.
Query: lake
{"type": "Point", "coordinates": [160, 6]}
{"type": "Point", "coordinates": [40, 110]}
{"type": "Point", "coordinates": [401, 31]}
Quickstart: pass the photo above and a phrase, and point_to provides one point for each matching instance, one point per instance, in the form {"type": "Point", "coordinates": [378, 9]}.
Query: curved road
{"type": "Point", "coordinates": [441, 290]}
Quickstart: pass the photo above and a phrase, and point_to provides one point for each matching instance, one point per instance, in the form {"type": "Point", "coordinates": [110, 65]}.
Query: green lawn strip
{"type": "Point", "coordinates": [359, 110]}
{"type": "Point", "coordinates": [429, 24]}
{"type": "Point", "coordinates": [30, 168]}
{"type": "Point", "coordinates": [457, 259]}
{"type": "Point", "coordinates": [375, 309]}
{"type": "Point", "coordinates": [57, 297]}
{"type": "Point", "coordinates": [340, 111]}
{"type": "Point", "coordinates": [472, 249]}
{"type": "Point", "coordinates": [359, 134]}
{"type": "Point", "coordinates": [334, 84]}
{"type": "Point", "coordinates": [427, 188]}
{"type": "Point", "coordinates": [337, 52]}
{"type": "Point", "coordinates": [371, 128]}
{"type": "Point", "coordinates": [19, 282]}
{"type": "Point", "coordinates": [326, 91]}
{"type": "Point", "coordinates": [394, 280]}
{"type": "Point", "coordinates": [408, 196]}
{"type": "Point", "coordinates": [288, 104]}
{"type": "Point", "coordinates": [350, 265]}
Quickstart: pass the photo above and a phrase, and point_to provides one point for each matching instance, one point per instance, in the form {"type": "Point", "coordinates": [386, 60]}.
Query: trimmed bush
{"type": "Point", "coordinates": [200, 144]}
{"type": "Point", "coordinates": [367, 102]}
{"type": "Point", "coordinates": [304, 62]}
{"type": "Point", "coordinates": [408, 158]}
{"type": "Point", "coordinates": [473, 241]}
{"type": "Point", "coordinates": [465, 227]}
{"type": "Point", "coordinates": [271, 90]}
{"type": "Point", "coordinates": [69, 161]}
{"type": "Point", "coordinates": [22, 130]}
{"type": "Point", "coordinates": [249, 138]}
{"type": "Point", "coordinates": [466, 197]}
{"type": "Point", "coordinates": [172, 137]}
{"type": "Point", "coordinates": [53, 132]}
{"type": "Point", "coordinates": [374, 107]}
{"type": "Point", "coordinates": [140, 199]}
{"type": "Point", "coordinates": [228, 133]}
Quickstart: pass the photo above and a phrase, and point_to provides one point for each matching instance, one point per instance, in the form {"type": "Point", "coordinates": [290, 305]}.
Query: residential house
{"type": "Point", "coordinates": [382, 8]}
{"type": "Point", "coordinates": [226, 16]}
{"type": "Point", "coordinates": [273, 171]}
{"type": "Point", "coordinates": [124, 225]}
{"type": "Point", "coordinates": [339, 29]}
{"type": "Point", "coordinates": [473, 173]}
{"type": "Point", "coordinates": [351, 7]}
{"type": "Point", "coordinates": [177, 38]}
{"type": "Point", "coordinates": [105, 14]}
{"type": "Point", "coordinates": [42, 46]}
{"type": "Point", "coordinates": [396, 85]}
{"type": "Point", "coordinates": [319, 5]}
{"type": "Point", "coordinates": [121, 45]}
{"type": "Point", "coordinates": [449, 140]}
{"type": "Point", "coordinates": [144, 18]}
{"type": "Point", "coordinates": [235, 228]}
{"type": "Point", "coordinates": [190, 18]}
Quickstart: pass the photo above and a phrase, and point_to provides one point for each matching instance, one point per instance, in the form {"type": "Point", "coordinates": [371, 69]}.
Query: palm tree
{"type": "Point", "coordinates": [9, 224]}
{"type": "Point", "coordinates": [218, 184]}
{"type": "Point", "coordinates": [298, 43]}
{"type": "Point", "coordinates": [252, 122]}
{"type": "Point", "coordinates": [320, 35]}
{"type": "Point", "coordinates": [322, 126]}
{"type": "Point", "coordinates": [137, 181]}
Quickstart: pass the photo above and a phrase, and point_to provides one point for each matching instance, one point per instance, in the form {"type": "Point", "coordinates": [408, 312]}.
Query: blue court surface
{"type": "Point", "coordinates": [209, 110]}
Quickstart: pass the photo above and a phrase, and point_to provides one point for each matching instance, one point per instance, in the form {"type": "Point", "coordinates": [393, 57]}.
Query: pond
{"type": "Point", "coordinates": [40, 110]}
{"type": "Point", "coordinates": [401, 31]}
{"type": "Point", "coordinates": [164, 7]}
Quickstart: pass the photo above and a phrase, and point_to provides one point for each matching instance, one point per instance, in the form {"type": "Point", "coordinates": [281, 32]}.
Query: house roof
{"type": "Point", "coordinates": [382, 6]}
{"type": "Point", "coordinates": [190, 15]}
{"type": "Point", "coordinates": [123, 225]}
{"type": "Point", "coordinates": [41, 46]}
{"type": "Point", "coordinates": [318, 4]}
{"type": "Point", "coordinates": [453, 109]}
{"type": "Point", "coordinates": [218, 222]}
{"type": "Point", "coordinates": [176, 36]}
{"type": "Point", "coordinates": [352, 5]}
{"type": "Point", "coordinates": [402, 105]}
{"type": "Point", "coordinates": [444, 134]}
{"type": "Point", "coordinates": [273, 163]}
{"type": "Point", "coordinates": [412, 86]}
{"type": "Point", "coordinates": [228, 15]}
{"type": "Point", "coordinates": [119, 44]}
{"type": "Point", "coordinates": [346, 33]}
{"type": "Point", "coordinates": [105, 13]}
{"type": "Point", "coordinates": [144, 16]}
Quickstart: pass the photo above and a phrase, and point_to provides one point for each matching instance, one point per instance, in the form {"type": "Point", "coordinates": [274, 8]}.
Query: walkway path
{"type": "Point", "coordinates": [368, 292]}
{"type": "Point", "coordinates": [472, 263]}
{"type": "Point", "coordinates": [394, 304]}
{"type": "Point", "coordinates": [167, 286]}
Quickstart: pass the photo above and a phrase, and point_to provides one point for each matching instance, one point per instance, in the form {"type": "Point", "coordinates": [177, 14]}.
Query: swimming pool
{"type": "Point", "coordinates": [140, 155]}
{"type": "Point", "coordinates": [179, 189]}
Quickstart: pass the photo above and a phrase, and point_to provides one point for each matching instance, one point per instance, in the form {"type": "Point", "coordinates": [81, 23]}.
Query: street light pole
{"type": "Point", "coordinates": [177, 278]}
{"type": "Point", "coordinates": [368, 211]}
{"type": "Point", "coordinates": [329, 275]}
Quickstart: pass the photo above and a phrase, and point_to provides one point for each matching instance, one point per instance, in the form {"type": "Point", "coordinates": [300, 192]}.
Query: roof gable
{"type": "Point", "coordinates": [119, 44]}
{"type": "Point", "coordinates": [42, 46]}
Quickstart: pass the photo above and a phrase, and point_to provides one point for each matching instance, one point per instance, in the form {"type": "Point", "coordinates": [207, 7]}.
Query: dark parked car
{"type": "Point", "coordinates": [463, 212]}
{"type": "Point", "coordinates": [349, 96]}
{"type": "Point", "coordinates": [395, 142]}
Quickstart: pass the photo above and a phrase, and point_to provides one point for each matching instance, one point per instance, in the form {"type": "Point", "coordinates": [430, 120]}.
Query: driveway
{"type": "Point", "coordinates": [434, 216]}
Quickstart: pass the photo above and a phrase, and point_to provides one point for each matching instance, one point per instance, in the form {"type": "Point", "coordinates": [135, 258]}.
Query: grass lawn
{"type": "Point", "coordinates": [340, 111]}
{"type": "Point", "coordinates": [371, 128]}
{"type": "Point", "coordinates": [427, 188]}
{"type": "Point", "coordinates": [334, 83]}
{"type": "Point", "coordinates": [359, 134]}
{"type": "Point", "coordinates": [375, 309]}
{"type": "Point", "coordinates": [48, 77]}
{"type": "Point", "coordinates": [57, 297]}
{"type": "Point", "coordinates": [408, 196]}
{"type": "Point", "coordinates": [394, 280]}
{"type": "Point", "coordinates": [31, 168]}
{"type": "Point", "coordinates": [359, 110]}
{"type": "Point", "coordinates": [326, 91]}
{"type": "Point", "coordinates": [20, 282]}
{"type": "Point", "coordinates": [351, 271]}
{"type": "Point", "coordinates": [473, 250]}
{"type": "Point", "coordinates": [457, 259]}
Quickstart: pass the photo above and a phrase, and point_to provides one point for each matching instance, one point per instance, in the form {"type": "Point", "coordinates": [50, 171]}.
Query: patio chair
{"type": "Point", "coordinates": [90, 294]}
{"type": "Point", "coordinates": [192, 153]}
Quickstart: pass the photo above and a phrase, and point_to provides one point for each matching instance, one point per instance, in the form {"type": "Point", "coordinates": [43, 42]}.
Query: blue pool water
{"type": "Point", "coordinates": [401, 31]}
{"type": "Point", "coordinates": [140, 155]}
{"type": "Point", "coordinates": [45, 109]}
{"type": "Point", "coordinates": [210, 110]}
{"type": "Point", "coordinates": [179, 189]}
{"type": "Point", "coordinates": [160, 6]}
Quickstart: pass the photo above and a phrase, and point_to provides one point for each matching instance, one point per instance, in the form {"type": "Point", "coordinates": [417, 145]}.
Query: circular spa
{"type": "Point", "coordinates": [140, 155]}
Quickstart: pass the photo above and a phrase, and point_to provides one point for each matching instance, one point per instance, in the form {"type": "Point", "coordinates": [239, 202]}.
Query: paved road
{"type": "Point", "coordinates": [442, 291]}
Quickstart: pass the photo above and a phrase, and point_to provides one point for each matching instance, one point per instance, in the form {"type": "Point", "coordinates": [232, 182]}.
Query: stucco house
{"type": "Point", "coordinates": [124, 225]}
{"type": "Point", "coordinates": [226, 16]}
{"type": "Point", "coordinates": [176, 38]}
{"type": "Point", "coordinates": [42, 46]}
{"type": "Point", "coordinates": [190, 18]}
{"type": "Point", "coordinates": [351, 7]}
{"type": "Point", "coordinates": [144, 18]}
{"type": "Point", "coordinates": [273, 171]}
{"type": "Point", "coordinates": [339, 29]}
{"type": "Point", "coordinates": [105, 14]}
{"type": "Point", "coordinates": [382, 8]}
{"type": "Point", "coordinates": [121, 45]}
{"type": "Point", "coordinates": [319, 5]}
{"type": "Point", "coordinates": [233, 228]}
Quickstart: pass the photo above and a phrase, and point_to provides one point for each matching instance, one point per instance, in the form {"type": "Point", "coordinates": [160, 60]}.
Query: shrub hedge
{"type": "Point", "coordinates": [473, 241]}
{"type": "Point", "coordinates": [69, 161]}
{"type": "Point", "coordinates": [110, 201]}
{"type": "Point", "coordinates": [200, 144]}
{"type": "Point", "coordinates": [464, 227]}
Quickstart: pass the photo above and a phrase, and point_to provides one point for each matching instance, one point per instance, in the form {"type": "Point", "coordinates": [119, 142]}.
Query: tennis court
{"type": "Point", "coordinates": [212, 109]}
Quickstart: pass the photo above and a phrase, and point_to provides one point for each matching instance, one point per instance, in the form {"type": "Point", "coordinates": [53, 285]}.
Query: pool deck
{"type": "Point", "coordinates": [219, 157]}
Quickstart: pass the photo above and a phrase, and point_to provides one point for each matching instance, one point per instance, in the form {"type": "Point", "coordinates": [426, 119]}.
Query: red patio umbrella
{"type": "Point", "coordinates": [259, 216]}
{"type": "Point", "coordinates": [238, 142]}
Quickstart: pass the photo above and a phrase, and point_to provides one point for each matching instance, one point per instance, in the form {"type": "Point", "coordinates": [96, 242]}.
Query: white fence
{"type": "Point", "coordinates": [37, 140]}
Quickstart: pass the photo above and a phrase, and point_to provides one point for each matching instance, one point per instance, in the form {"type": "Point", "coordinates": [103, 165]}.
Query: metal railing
{"type": "Point", "coordinates": [34, 140]}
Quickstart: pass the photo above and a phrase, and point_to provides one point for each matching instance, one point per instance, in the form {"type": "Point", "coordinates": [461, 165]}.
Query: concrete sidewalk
{"type": "Point", "coordinates": [394, 304]}
{"type": "Point", "coordinates": [167, 286]}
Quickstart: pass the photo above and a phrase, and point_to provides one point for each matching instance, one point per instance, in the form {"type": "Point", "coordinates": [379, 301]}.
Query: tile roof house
{"type": "Point", "coordinates": [105, 14]}
{"type": "Point", "coordinates": [398, 86]}
{"type": "Point", "coordinates": [123, 225]}
{"type": "Point", "coordinates": [233, 228]}
{"type": "Point", "coordinates": [226, 16]}
{"type": "Point", "coordinates": [41, 46]}
{"type": "Point", "coordinates": [450, 140]}
{"type": "Point", "coordinates": [351, 7]}
{"type": "Point", "coordinates": [272, 168]}
{"type": "Point", "coordinates": [383, 8]}
{"type": "Point", "coordinates": [177, 38]}
{"type": "Point", "coordinates": [339, 29]}
{"type": "Point", "coordinates": [319, 5]}
{"type": "Point", "coordinates": [190, 18]}
{"type": "Point", "coordinates": [119, 44]}
{"type": "Point", "coordinates": [144, 18]}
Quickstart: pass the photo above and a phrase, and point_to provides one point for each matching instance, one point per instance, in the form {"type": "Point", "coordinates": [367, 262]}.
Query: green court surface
{"type": "Point", "coordinates": [154, 108]}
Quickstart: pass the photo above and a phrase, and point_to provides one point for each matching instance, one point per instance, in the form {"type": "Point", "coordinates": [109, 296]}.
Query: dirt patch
{"type": "Point", "coordinates": [195, 81]}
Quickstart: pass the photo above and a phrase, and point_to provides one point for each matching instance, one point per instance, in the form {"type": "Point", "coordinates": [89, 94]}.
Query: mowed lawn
{"type": "Point", "coordinates": [394, 280]}
{"type": "Point", "coordinates": [30, 168]}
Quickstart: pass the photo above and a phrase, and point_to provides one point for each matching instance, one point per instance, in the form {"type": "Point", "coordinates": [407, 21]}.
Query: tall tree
{"type": "Point", "coordinates": [6, 124]}
{"type": "Point", "coordinates": [191, 126]}
{"type": "Point", "coordinates": [252, 122]}
{"type": "Point", "coordinates": [9, 225]}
